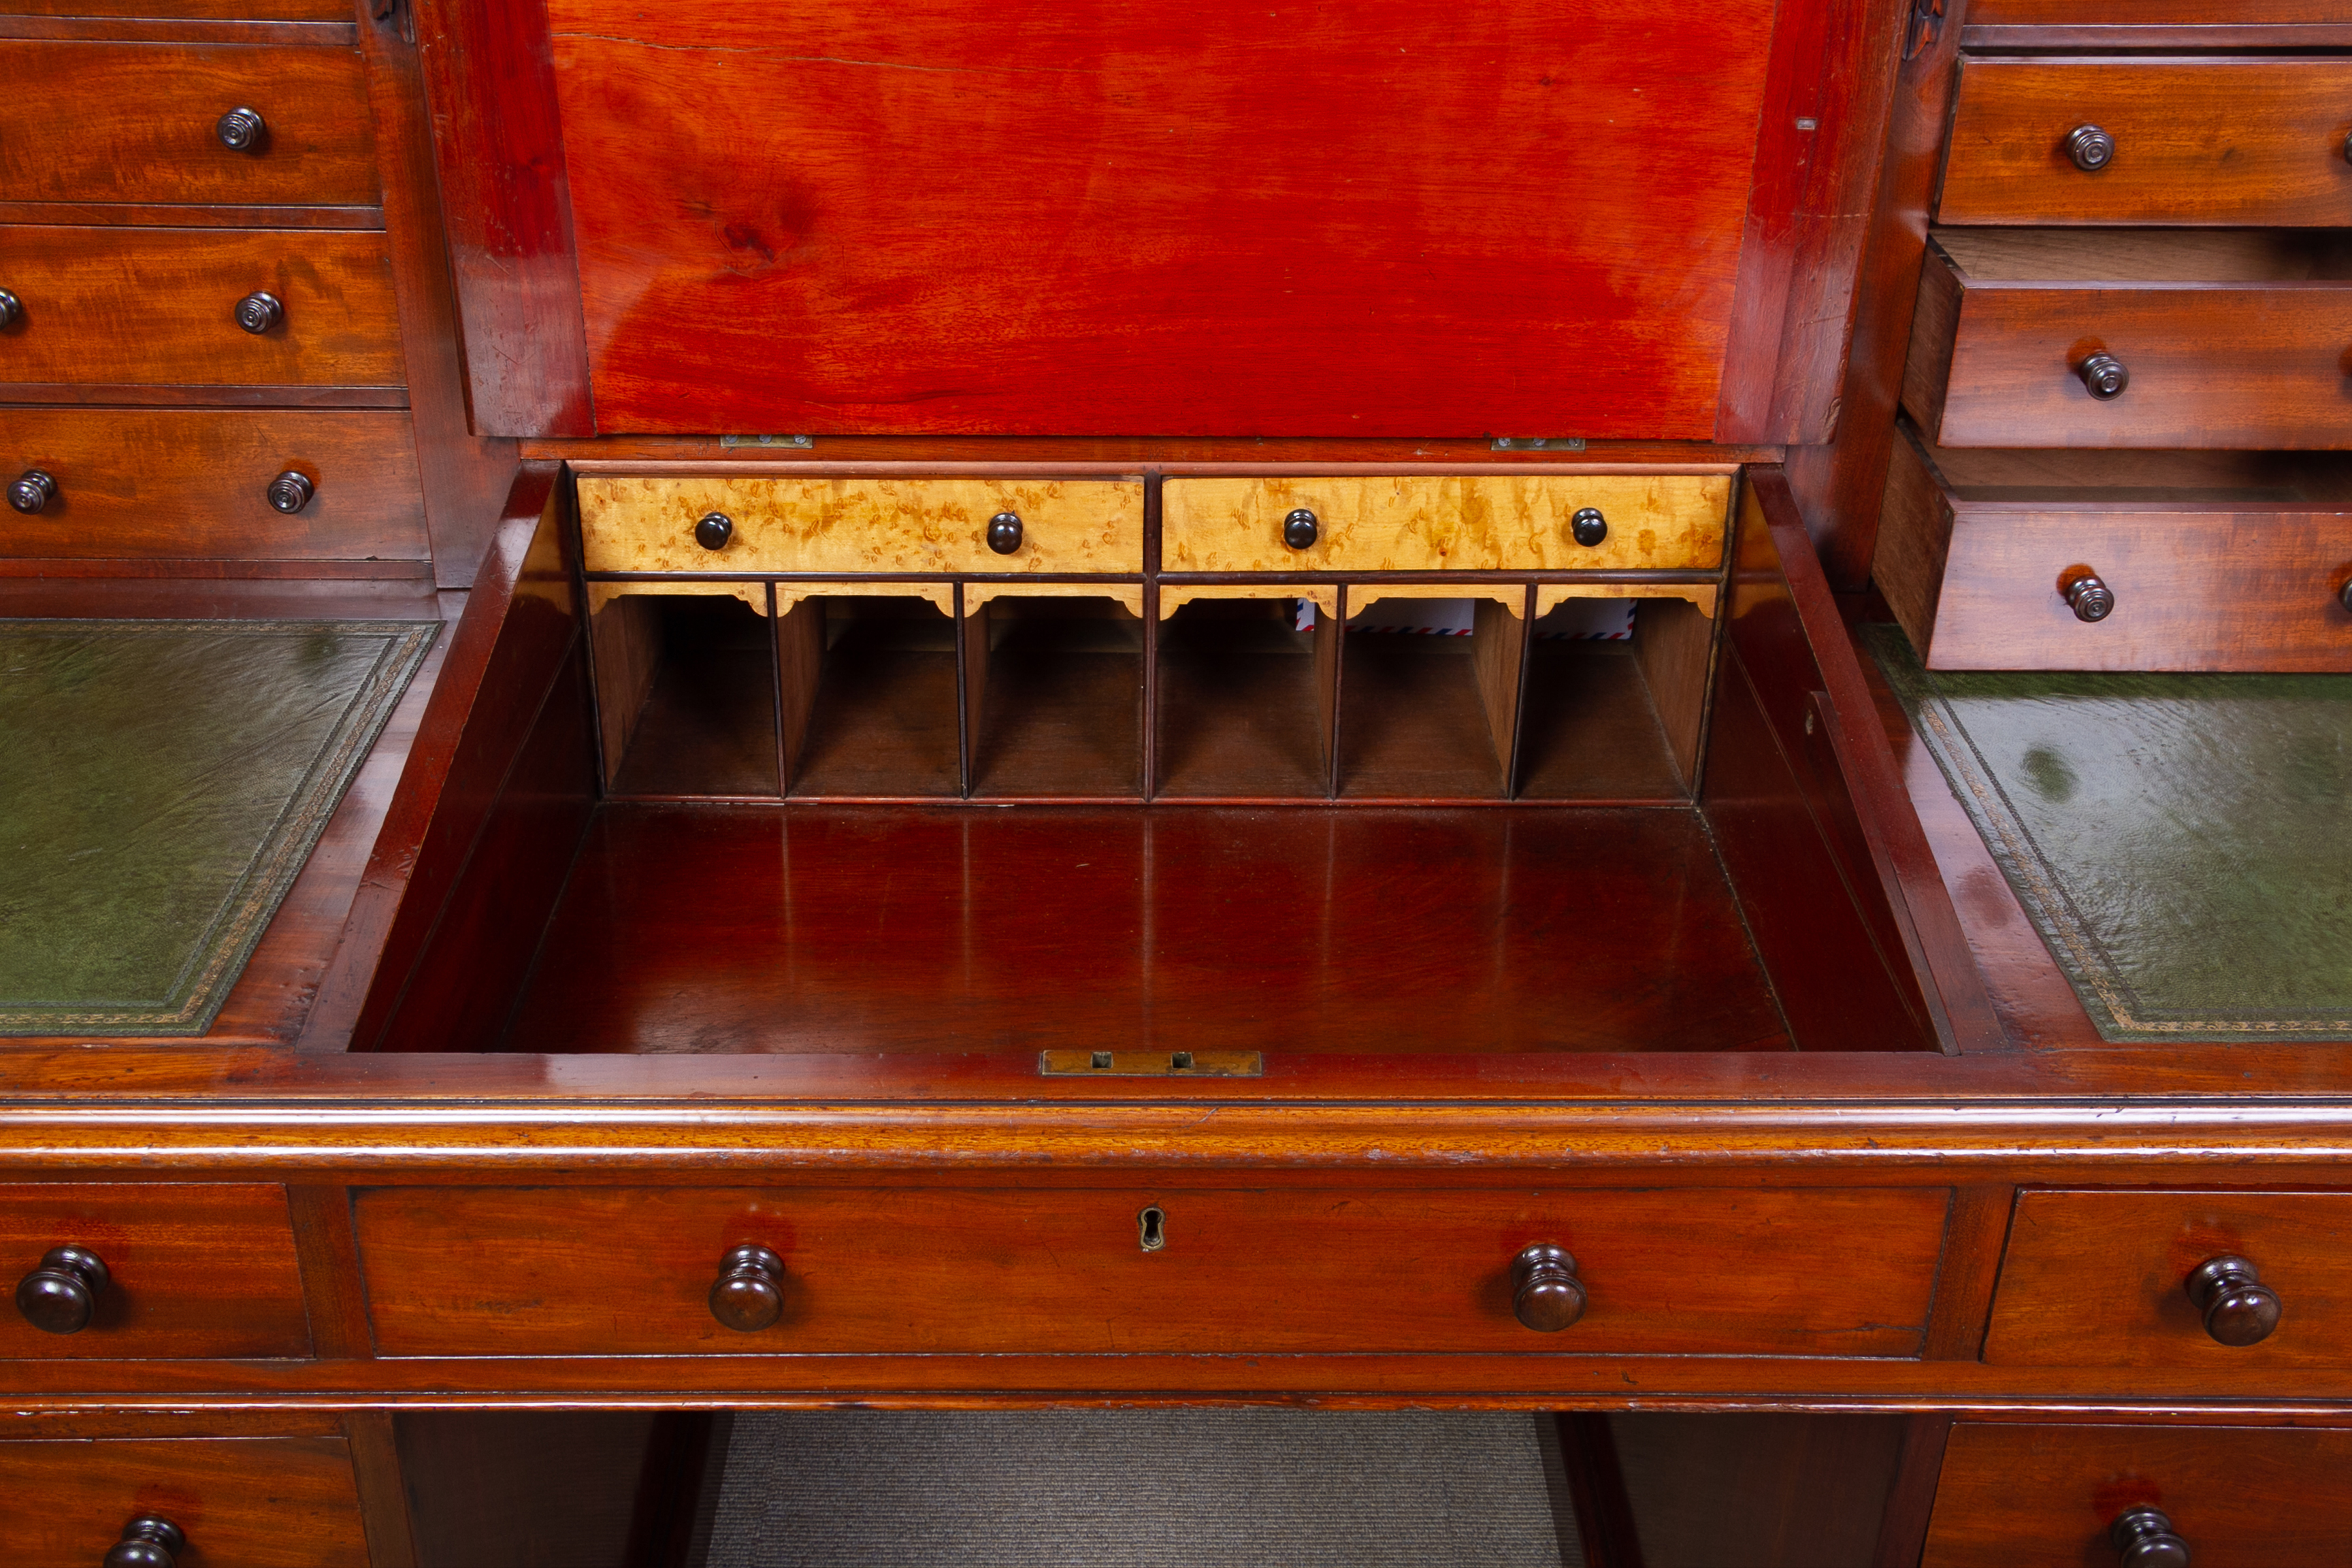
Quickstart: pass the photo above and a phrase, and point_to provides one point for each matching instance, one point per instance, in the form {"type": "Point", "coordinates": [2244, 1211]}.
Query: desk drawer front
{"type": "Point", "coordinates": [606, 1271]}
{"type": "Point", "coordinates": [258, 1503]}
{"type": "Point", "coordinates": [862, 525]}
{"type": "Point", "coordinates": [190, 1271]}
{"type": "Point", "coordinates": [1654, 521]}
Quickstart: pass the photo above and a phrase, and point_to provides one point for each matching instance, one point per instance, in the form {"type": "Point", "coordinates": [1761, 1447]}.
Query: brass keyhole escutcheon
{"type": "Point", "coordinates": [1151, 1228]}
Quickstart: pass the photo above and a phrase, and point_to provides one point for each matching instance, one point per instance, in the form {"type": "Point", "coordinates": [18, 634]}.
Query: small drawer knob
{"type": "Point", "coordinates": [2344, 594]}
{"type": "Point", "coordinates": [12, 310]}
{"type": "Point", "coordinates": [714, 531]}
{"type": "Point", "coordinates": [58, 1297]}
{"type": "Point", "coordinates": [1004, 533]}
{"type": "Point", "coordinates": [148, 1543]}
{"type": "Point", "coordinates": [2144, 1539]}
{"type": "Point", "coordinates": [32, 492]}
{"type": "Point", "coordinates": [289, 492]}
{"type": "Point", "coordinates": [1587, 527]}
{"type": "Point", "coordinates": [1545, 1294]}
{"type": "Point", "coordinates": [2091, 148]}
{"type": "Point", "coordinates": [259, 312]}
{"type": "Point", "coordinates": [2104, 376]}
{"type": "Point", "coordinates": [1299, 530]}
{"type": "Point", "coordinates": [2239, 1308]}
{"type": "Point", "coordinates": [748, 1294]}
{"type": "Point", "coordinates": [242, 130]}
{"type": "Point", "coordinates": [2089, 598]}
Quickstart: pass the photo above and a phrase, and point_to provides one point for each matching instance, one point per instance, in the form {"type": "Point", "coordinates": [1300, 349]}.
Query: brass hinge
{"type": "Point", "coordinates": [1151, 1064]}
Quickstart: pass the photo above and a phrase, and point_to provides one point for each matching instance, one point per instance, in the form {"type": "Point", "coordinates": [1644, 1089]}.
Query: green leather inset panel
{"type": "Point", "coordinates": [2183, 843]}
{"type": "Point", "coordinates": [161, 784]}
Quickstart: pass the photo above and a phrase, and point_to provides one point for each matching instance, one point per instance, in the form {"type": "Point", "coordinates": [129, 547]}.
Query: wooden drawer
{"type": "Point", "coordinates": [190, 484]}
{"type": "Point", "coordinates": [103, 306]}
{"type": "Point", "coordinates": [628, 1271]}
{"type": "Point", "coordinates": [2188, 142]}
{"type": "Point", "coordinates": [2214, 561]}
{"type": "Point", "coordinates": [240, 1502]}
{"type": "Point", "coordinates": [1429, 524]}
{"type": "Point", "coordinates": [2100, 1278]}
{"type": "Point", "coordinates": [2047, 1497]}
{"type": "Point", "coordinates": [629, 525]}
{"type": "Point", "coordinates": [2204, 16]}
{"type": "Point", "coordinates": [194, 1271]}
{"type": "Point", "coordinates": [2228, 339]}
{"type": "Point", "coordinates": [139, 123]}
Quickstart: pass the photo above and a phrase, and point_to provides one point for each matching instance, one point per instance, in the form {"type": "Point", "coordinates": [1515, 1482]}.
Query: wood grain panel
{"type": "Point", "coordinates": [220, 10]}
{"type": "Point", "coordinates": [2150, 13]}
{"type": "Point", "coordinates": [618, 1271]}
{"type": "Point", "coordinates": [136, 122]}
{"type": "Point", "coordinates": [2098, 1278]}
{"type": "Point", "coordinates": [1392, 524]}
{"type": "Point", "coordinates": [255, 1502]}
{"type": "Point", "coordinates": [1415, 248]}
{"type": "Point", "coordinates": [196, 1270]}
{"type": "Point", "coordinates": [631, 524]}
{"type": "Point", "coordinates": [2044, 1497]}
{"type": "Point", "coordinates": [2256, 141]}
{"type": "Point", "coordinates": [109, 306]}
{"type": "Point", "coordinates": [187, 484]}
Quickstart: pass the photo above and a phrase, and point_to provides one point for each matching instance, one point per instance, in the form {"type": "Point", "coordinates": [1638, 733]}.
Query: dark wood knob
{"type": "Point", "coordinates": [2104, 376]}
{"type": "Point", "coordinates": [32, 492]}
{"type": "Point", "coordinates": [1004, 533]}
{"type": "Point", "coordinates": [2344, 594]}
{"type": "Point", "coordinates": [1587, 527]}
{"type": "Point", "coordinates": [58, 1297]}
{"type": "Point", "coordinates": [289, 492]}
{"type": "Point", "coordinates": [2091, 148]}
{"type": "Point", "coordinates": [2239, 1308]}
{"type": "Point", "coordinates": [259, 312]}
{"type": "Point", "coordinates": [714, 531]}
{"type": "Point", "coordinates": [242, 130]}
{"type": "Point", "coordinates": [1545, 1294]}
{"type": "Point", "coordinates": [1299, 530]}
{"type": "Point", "coordinates": [11, 308]}
{"type": "Point", "coordinates": [147, 1543]}
{"type": "Point", "coordinates": [2144, 1539]}
{"type": "Point", "coordinates": [2089, 598]}
{"type": "Point", "coordinates": [749, 1295]}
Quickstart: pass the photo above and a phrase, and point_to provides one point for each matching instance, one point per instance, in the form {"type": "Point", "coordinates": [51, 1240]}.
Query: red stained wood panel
{"type": "Point", "coordinates": [1361, 219]}
{"type": "Point", "coordinates": [264, 1502]}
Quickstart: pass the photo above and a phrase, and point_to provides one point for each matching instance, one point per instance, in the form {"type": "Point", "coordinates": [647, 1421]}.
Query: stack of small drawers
{"type": "Point", "coordinates": [200, 369]}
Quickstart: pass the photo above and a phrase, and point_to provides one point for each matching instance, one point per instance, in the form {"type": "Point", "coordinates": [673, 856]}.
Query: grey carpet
{"type": "Point", "coordinates": [1179, 1489]}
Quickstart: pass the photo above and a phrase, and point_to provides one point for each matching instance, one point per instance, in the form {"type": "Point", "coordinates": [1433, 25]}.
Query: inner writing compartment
{"type": "Point", "coordinates": [1053, 692]}
{"type": "Point", "coordinates": [1429, 703]}
{"type": "Point", "coordinates": [685, 688]}
{"type": "Point", "coordinates": [1246, 697]}
{"type": "Point", "coordinates": [1611, 718]}
{"type": "Point", "coordinates": [868, 685]}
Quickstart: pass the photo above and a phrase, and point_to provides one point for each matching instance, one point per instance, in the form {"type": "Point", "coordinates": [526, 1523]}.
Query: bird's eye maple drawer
{"type": "Point", "coordinates": [861, 525]}
{"type": "Point", "coordinates": [2244, 1283]}
{"type": "Point", "coordinates": [2145, 1496]}
{"type": "Point", "coordinates": [1428, 523]}
{"type": "Point", "coordinates": [150, 1272]}
{"type": "Point", "coordinates": [2154, 140]}
{"type": "Point", "coordinates": [196, 1502]}
{"type": "Point", "coordinates": [643, 1271]}
{"type": "Point", "coordinates": [195, 123]}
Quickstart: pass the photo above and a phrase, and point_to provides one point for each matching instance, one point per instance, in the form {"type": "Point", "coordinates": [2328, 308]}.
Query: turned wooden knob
{"type": "Point", "coordinates": [2239, 1308]}
{"type": "Point", "coordinates": [1299, 530]}
{"type": "Point", "coordinates": [2091, 148]}
{"type": "Point", "coordinates": [1587, 527]}
{"type": "Point", "coordinates": [58, 1297]}
{"type": "Point", "coordinates": [2089, 598]}
{"type": "Point", "coordinates": [1004, 533]}
{"type": "Point", "coordinates": [32, 492]}
{"type": "Point", "coordinates": [2144, 1539]}
{"type": "Point", "coordinates": [242, 130]}
{"type": "Point", "coordinates": [147, 1543]}
{"type": "Point", "coordinates": [2344, 594]}
{"type": "Point", "coordinates": [748, 1294]}
{"type": "Point", "coordinates": [289, 492]}
{"type": "Point", "coordinates": [714, 529]}
{"type": "Point", "coordinates": [2104, 376]}
{"type": "Point", "coordinates": [1545, 1294]}
{"type": "Point", "coordinates": [11, 307]}
{"type": "Point", "coordinates": [260, 311]}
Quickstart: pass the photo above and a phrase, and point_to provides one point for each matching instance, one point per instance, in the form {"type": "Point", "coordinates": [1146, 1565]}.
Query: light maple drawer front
{"type": "Point", "coordinates": [1490, 523]}
{"type": "Point", "coordinates": [160, 306]}
{"type": "Point", "coordinates": [2051, 1496]}
{"type": "Point", "coordinates": [192, 1270]}
{"type": "Point", "coordinates": [196, 483]}
{"type": "Point", "coordinates": [2251, 142]}
{"type": "Point", "coordinates": [630, 1271]}
{"type": "Point", "coordinates": [237, 1502]}
{"type": "Point", "coordinates": [788, 525]}
{"type": "Point", "coordinates": [2114, 1279]}
{"type": "Point", "coordinates": [149, 122]}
